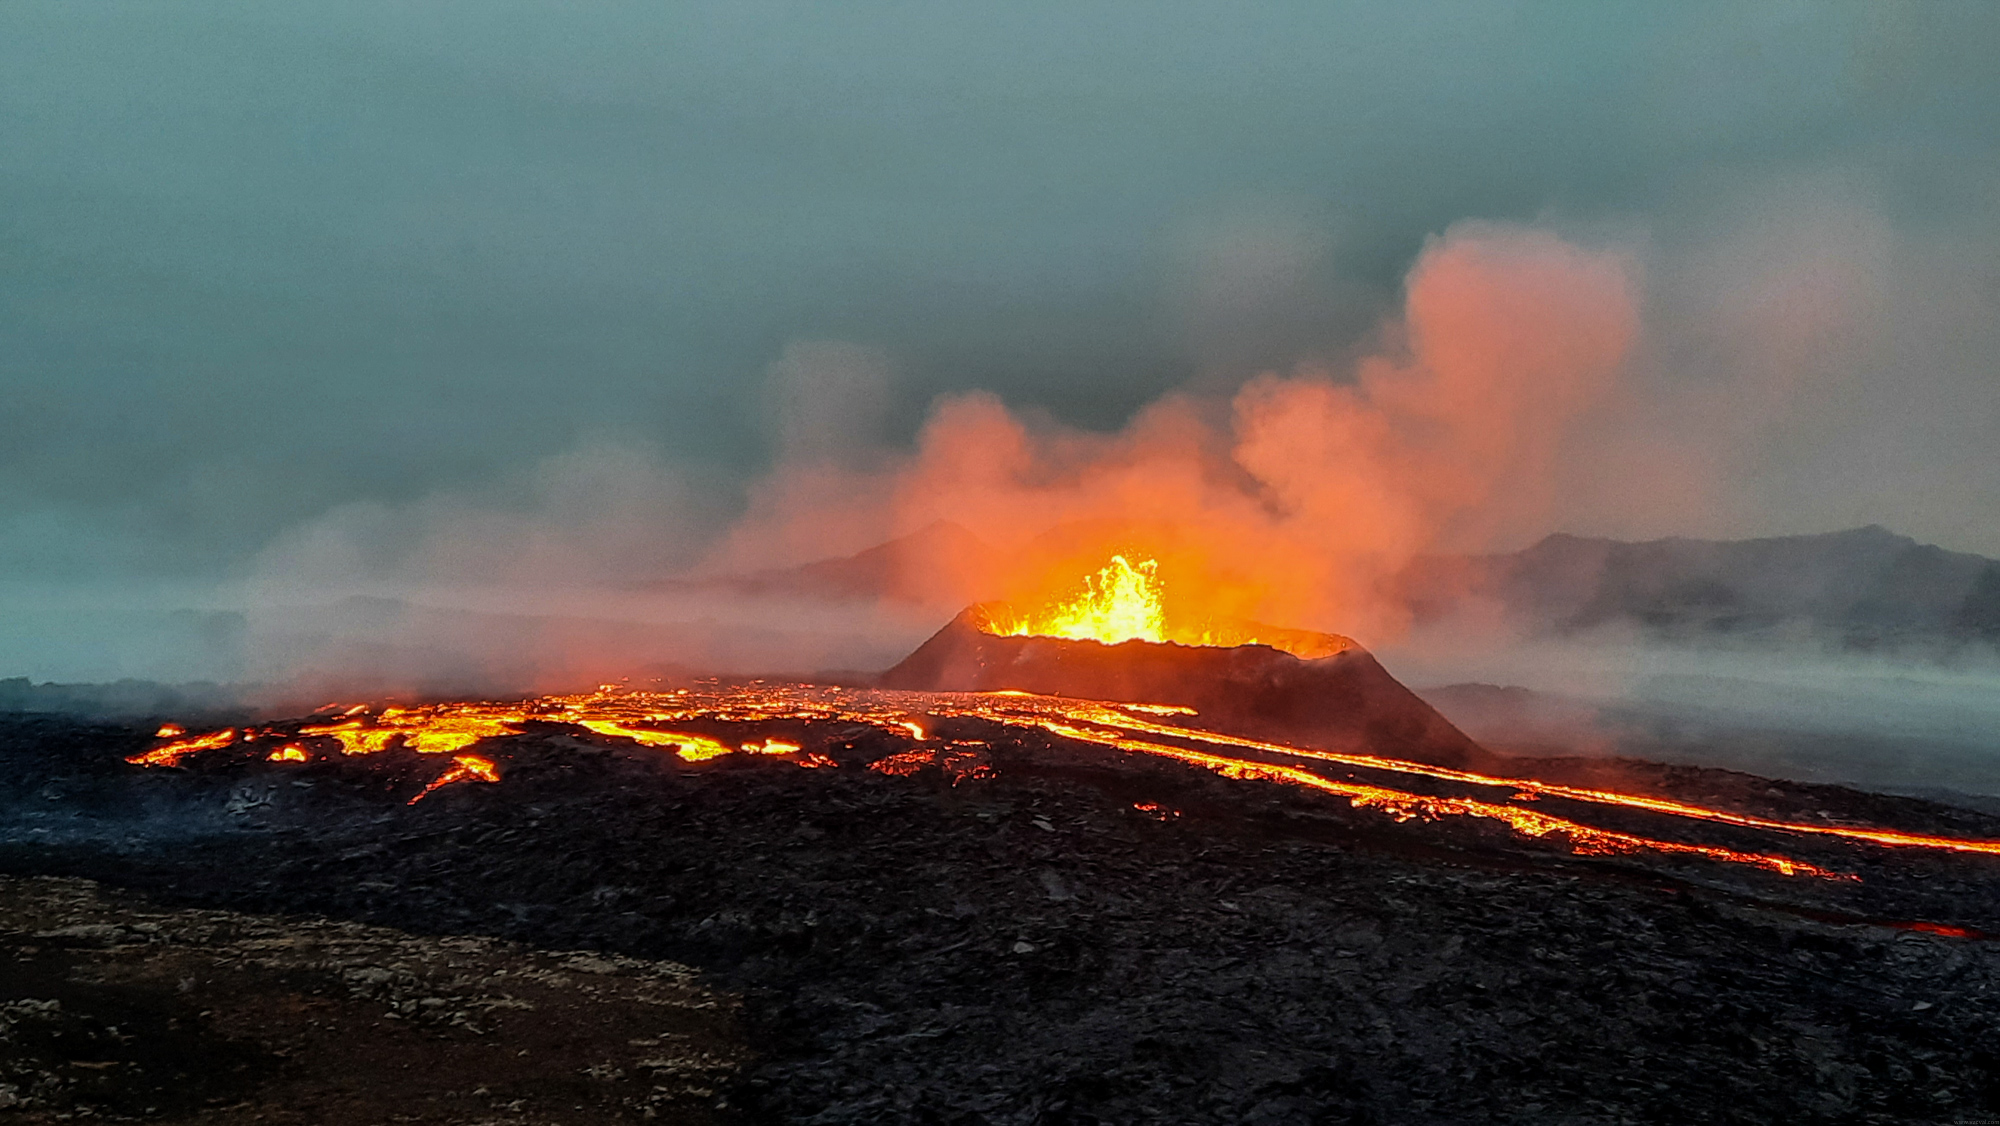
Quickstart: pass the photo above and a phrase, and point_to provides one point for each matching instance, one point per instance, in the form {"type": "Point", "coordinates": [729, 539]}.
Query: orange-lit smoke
{"type": "Point", "coordinates": [1298, 501]}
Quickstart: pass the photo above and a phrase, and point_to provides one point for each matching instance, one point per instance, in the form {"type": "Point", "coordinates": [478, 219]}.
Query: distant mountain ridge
{"type": "Point", "coordinates": [1866, 587]}
{"type": "Point", "coordinates": [939, 562]}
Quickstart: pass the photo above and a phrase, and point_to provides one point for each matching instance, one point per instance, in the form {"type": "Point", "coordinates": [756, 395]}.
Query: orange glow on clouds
{"type": "Point", "coordinates": [1295, 502]}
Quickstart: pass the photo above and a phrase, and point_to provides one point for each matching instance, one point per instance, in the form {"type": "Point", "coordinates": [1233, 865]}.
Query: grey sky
{"type": "Point", "coordinates": [259, 261]}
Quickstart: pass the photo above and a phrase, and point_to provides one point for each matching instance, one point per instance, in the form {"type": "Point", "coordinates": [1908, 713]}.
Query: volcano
{"type": "Point", "coordinates": [1313, 689]}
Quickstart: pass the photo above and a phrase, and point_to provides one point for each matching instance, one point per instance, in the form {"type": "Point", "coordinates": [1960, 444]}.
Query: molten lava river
{"type": "Point", "coordinates": [947, 731]}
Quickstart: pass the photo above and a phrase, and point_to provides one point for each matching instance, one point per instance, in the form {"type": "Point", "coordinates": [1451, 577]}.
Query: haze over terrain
{"type": "Point", "coordinates": [470, 343]}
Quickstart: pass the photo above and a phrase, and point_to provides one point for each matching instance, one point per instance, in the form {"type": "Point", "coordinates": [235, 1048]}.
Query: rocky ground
{"type": "Point", "coordinates": [1082, 937]}
{"type": "Point", "coordinates": [114, 1007]}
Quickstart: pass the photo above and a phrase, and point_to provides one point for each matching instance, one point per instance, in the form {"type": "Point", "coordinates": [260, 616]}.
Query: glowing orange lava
{"type": "Point", "coordinates": [465, 768]}
{"type": "Point", "coordinates": [433, 730]}
{"type": "Point", "coordinates": [1126, 601]}
{"type": "Point", "coordinates": [171, 753]}
{"type": "Point", "coordinates": [1120, 603]}
{"type": "Point", "coordinates": [654, 719]}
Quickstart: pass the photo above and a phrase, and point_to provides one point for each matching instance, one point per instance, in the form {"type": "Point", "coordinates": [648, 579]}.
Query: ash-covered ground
{"type": "Point", "coordinates": [1034, 947]}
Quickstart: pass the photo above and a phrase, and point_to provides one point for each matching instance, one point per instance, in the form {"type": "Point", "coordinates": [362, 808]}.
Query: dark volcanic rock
{"type": "Point", "coordinates": [1343, 701]}
{"type": "Point", "coordinates": [113, 1007]}
{"type": "Point", "coordinates": [1082, 937]}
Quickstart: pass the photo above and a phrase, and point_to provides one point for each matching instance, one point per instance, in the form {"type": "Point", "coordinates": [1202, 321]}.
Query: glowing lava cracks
{"type": "Point", "coordinates": [649, 718]}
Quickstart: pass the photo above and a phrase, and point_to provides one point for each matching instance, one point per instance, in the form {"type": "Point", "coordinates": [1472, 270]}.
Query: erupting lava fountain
{"type": "Point", "coordinates": [1111, 643]}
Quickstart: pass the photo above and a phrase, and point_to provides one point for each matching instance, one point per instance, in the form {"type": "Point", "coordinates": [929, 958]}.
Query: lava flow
{"type": "Point", "coordinates": [1116, 626]}
{"type": "Point", "coordinates": [464, 768]}
{"type": "Point", "coordinates": [645, 718]}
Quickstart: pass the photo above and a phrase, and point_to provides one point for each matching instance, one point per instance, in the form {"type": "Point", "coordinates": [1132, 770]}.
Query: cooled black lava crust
{"type": "Point", "coordinates": [1032, 948]}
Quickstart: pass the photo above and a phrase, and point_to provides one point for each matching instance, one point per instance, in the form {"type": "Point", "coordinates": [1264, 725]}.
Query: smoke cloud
{"type": "Point", "coordinates": [1296, 500]}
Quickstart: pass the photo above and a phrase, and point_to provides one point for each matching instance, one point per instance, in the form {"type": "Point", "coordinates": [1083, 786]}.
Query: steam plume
{"type": "Point", "coordinates": [1296, 500]}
